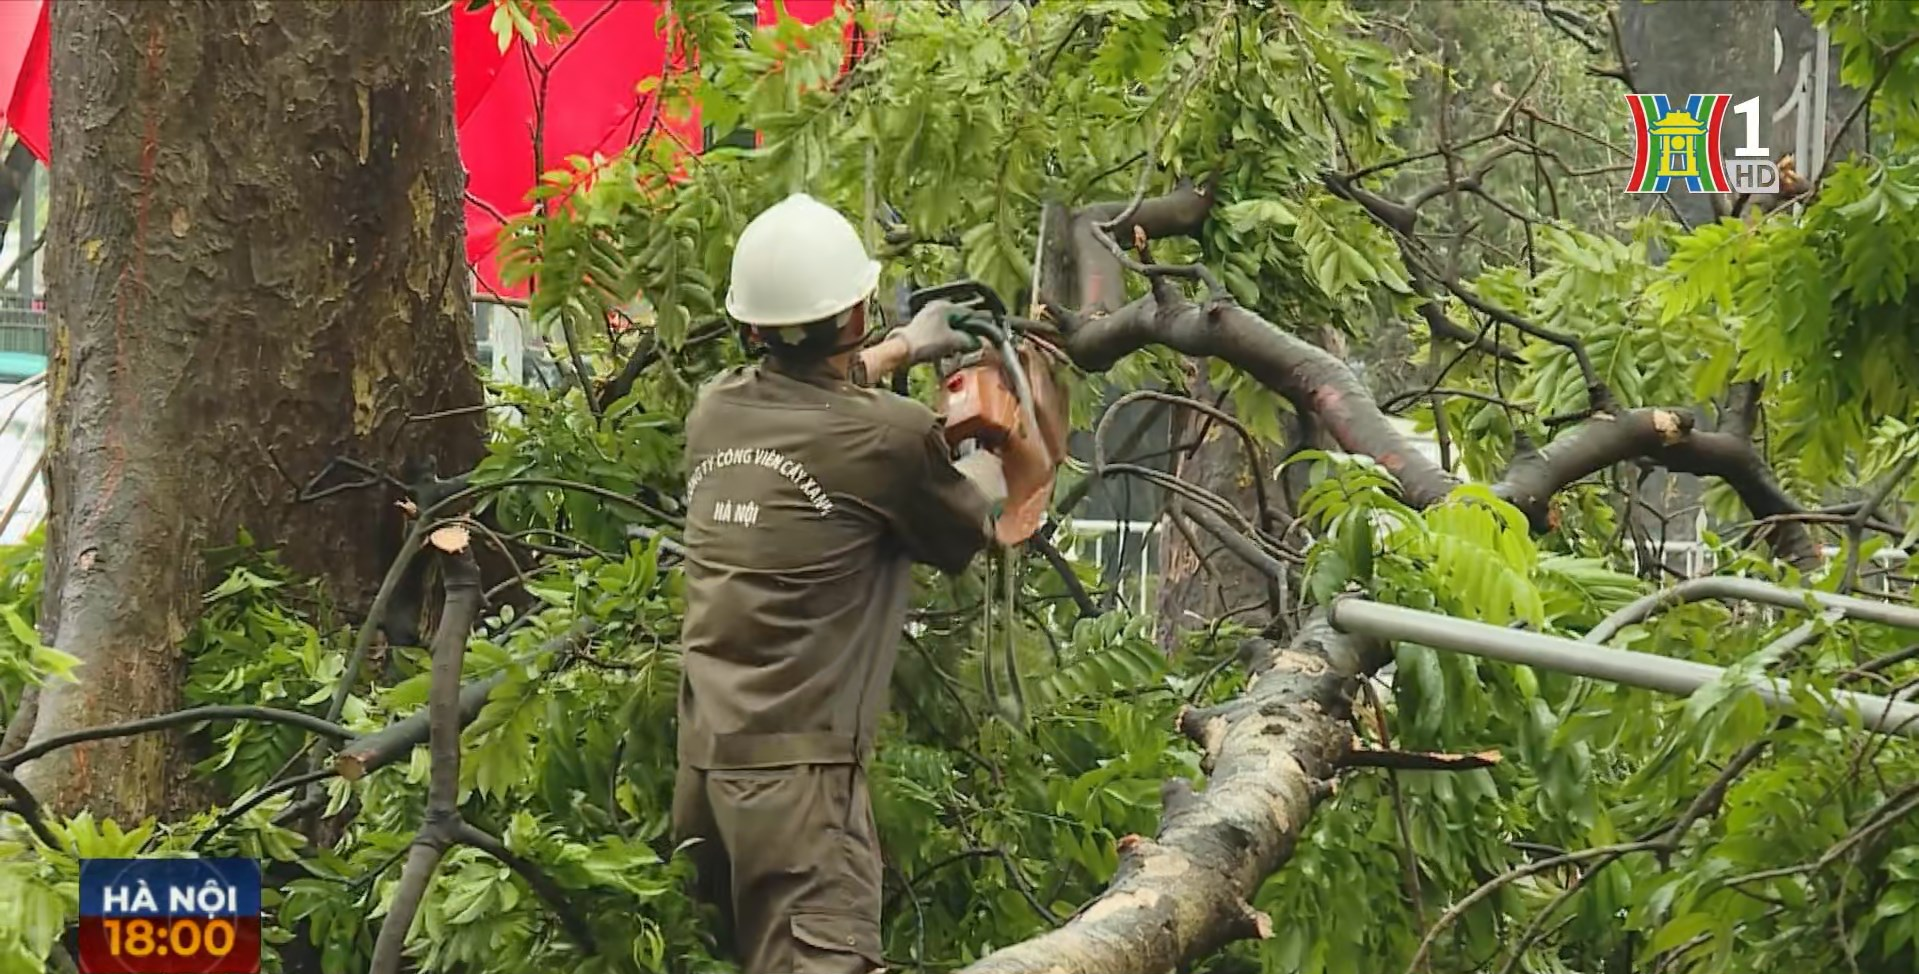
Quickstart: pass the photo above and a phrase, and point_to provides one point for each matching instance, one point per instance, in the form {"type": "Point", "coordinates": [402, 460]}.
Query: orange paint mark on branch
{"type": "Point", "coordinates": [131, 279]}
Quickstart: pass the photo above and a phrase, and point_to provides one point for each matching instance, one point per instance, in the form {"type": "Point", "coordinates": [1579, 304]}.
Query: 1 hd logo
{"type": "Point", "coordinates": [169, 916]}
{"type": "Point", "coordinates": [1686, 144]}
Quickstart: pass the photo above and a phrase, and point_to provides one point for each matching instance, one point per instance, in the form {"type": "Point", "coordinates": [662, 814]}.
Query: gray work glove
{"type": "Point", "coordinates": [930, 336]}
{"type": "Point", "coordinates": [987, 473]}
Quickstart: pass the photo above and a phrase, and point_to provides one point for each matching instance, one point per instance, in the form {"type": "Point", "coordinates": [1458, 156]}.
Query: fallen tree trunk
{"type": "Point", "coordinates": [1270, 755]}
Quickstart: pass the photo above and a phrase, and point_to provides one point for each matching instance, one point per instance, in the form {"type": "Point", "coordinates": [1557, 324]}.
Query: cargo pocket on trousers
{"type": "Point", "coordinates": [835, 943]}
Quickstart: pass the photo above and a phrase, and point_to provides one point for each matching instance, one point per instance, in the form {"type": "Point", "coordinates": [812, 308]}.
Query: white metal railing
{"type": "Point", "coordinates": [1099, 542]}
{"type": "Point", "coordinates": [1103, 543]}
{"type": "Point", "coordinates": [1697, 559]}
{"type": "Point", "coordinates": [23, 446]}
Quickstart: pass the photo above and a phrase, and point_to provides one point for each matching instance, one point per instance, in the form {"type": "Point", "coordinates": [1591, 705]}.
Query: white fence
{"type": "Point", "coordinates": [1129, 549]}
{"type": "Point", "coordinates": [1125, 551]}
{"type": "Point", "coordinates": [23, 446]}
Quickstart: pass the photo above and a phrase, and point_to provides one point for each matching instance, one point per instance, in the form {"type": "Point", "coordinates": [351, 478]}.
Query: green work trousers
{"type": "Point", "coordinates": [790, 857]}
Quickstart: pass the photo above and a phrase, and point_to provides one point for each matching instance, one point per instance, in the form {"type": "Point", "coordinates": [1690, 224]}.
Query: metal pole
{"type": "Point", "coordinates": [1644, 670]}
{"type": "Point", "coordinates": [1725, 587]}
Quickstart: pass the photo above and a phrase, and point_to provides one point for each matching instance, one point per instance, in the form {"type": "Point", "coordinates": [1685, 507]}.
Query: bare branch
{"type": "Point", "coordinates": [1407, 399]}
{"type": "Point", "coordinates": [178, 718]}
{"type": "Point", "coordinates": [1535, 867]}
{"type": "Point", "coordinates": [21, 802]}
{"type": "Point", "coordinates": [26, 255]}
{"type": "Point", "coordinates": [1889, 813]}
{"type": "Point", "coordinates": [1248, 552]}
{"type": "Point", "coordinates": [1856, 524]}
{"type": "Point", "coordinates": [249, 803]}
{"type": "Point", "coordinates": [1074, 588]}
{"type": "Point", "coordinates": [371, 752]}
{"type": "Point", "coordinates": [1724, 588]}
{"type": "Point", "coordinates": [1574, 27]}
{"type": "Point", "coordinates": [1360, 757]}
{"type": "Point", "coordinates": [650, 351]}
{"type": "Point", "coordinates": [1882, 71]}
{"type": "Point", "coordinates": [1401, 219]}
{"type": "Point", "coordinates": [1255, 457]}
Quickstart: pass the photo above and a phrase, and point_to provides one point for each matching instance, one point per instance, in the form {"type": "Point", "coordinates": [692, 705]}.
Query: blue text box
{"type": "Point", "coordinates": [169, 887]}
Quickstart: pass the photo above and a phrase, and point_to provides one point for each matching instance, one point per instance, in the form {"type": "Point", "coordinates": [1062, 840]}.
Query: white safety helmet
{"type": "Point", "coordinates": [798, 262]}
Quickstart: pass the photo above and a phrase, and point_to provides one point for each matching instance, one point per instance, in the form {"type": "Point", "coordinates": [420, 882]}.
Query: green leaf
{"type": "Point", "coordinates": [1681, 929]}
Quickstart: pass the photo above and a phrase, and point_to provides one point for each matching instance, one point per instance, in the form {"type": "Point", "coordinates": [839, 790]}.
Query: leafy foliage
{"type": "Point", "coordinates": [24, 660]}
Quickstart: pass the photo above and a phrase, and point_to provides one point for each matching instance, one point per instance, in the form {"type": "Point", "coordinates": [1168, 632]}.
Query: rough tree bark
{"type": "Point", "coordinates": [255, 266]}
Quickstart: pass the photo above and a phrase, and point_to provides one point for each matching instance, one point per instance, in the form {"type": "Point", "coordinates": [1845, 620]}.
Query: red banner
{"type": "Point", "coordinates": [587, 83]}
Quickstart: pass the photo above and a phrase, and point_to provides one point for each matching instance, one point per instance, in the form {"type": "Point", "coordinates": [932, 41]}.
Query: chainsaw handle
{"type": "Point", "coordinates": [967, 293]}
{"type": "Point", "coordinates": [980, 327]}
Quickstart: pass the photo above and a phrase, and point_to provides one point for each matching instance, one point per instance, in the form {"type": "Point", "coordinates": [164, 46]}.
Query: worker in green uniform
{"type": "Point", "coordinates": [810, 496]}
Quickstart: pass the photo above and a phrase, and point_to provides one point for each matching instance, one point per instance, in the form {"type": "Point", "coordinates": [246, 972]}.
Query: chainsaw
{"type": "Point", "coordinates": [991, 400]}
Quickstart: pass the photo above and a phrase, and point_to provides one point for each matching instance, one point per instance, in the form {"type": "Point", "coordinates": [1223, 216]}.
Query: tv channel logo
{"type": "Point", "coordinates": [1687, 145]}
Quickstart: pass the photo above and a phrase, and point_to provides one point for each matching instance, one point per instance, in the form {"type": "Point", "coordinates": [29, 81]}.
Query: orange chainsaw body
{"type": "Point", "coordinates": [979, 404]}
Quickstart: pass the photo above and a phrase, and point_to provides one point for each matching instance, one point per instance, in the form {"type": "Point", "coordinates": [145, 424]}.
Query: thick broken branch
{"type": "Point", "coordinates": [440, 828]}
{"type": "Point", "coordinates": [1669, 438]}
{"type": "Point", "coordinates": [1536, 474]}
{"type": "Point", "coordinates": [1312, 379]}
{"type": "Point", "coordinates": [1738, 462]}
{"type": "Point", "coordinates": [450, 706]}
{"type": "Point", "coordinates": [1270, 755]}
{"type": "Point", "coordinates": [1100, 277]}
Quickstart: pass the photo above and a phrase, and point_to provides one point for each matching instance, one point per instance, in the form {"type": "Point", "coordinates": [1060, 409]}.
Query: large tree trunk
{"type": "Point", "coordinates": [255, 266]}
